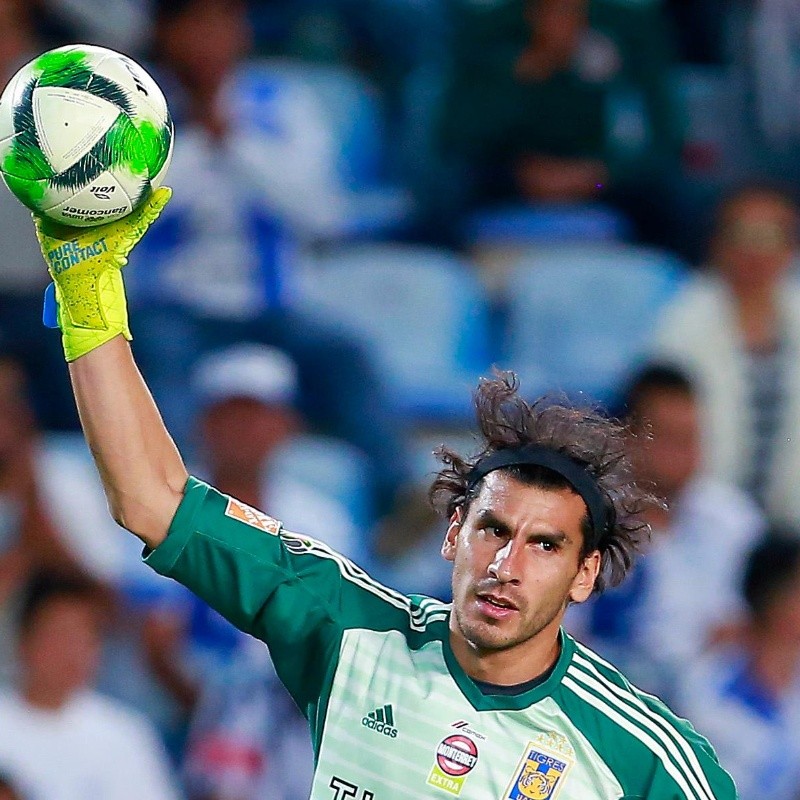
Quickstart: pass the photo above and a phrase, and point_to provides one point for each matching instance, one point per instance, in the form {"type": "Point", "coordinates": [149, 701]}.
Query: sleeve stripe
{"type": "Point", "coordinates": [639, 722]}
{"type": "Point", "coordinates": [419, 617]}
{"type": "Point", "coordinates": [638, 733]}
{"type": "Point", "coordinates": [631, 698]}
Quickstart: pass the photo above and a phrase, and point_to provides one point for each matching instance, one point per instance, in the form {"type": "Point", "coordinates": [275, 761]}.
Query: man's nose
{"type": "Point", "coordinates": [505, 567]}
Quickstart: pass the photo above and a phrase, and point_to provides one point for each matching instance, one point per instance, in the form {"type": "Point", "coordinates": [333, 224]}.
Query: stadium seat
{"type": "Point", "coordinates": [346, 132]}
{"type": "Point", "coordinates": [580, 317]}
{"type": "Point", "coordinates": [422, 313]}
{"type": "Point", "coordinates": [546, 223]}
{"type": "Point", "coordinates": [334, 468]}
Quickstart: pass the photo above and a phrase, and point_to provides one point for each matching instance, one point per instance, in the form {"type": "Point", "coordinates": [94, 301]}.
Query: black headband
{"type": "Point", "coordinates": [536, 455]}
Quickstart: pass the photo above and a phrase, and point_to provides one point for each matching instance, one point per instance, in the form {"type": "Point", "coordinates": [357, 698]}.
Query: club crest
{"type": "Point", "coordinates": [539, 775]}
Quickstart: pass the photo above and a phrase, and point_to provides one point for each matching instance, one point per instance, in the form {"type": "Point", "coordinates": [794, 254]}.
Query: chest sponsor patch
{"type": "Point", "coordinates": [252, 517]}
{"type": "Point", "coordinates": [539, 776]}
{"type": "Point", "coordinates": [456, 756]}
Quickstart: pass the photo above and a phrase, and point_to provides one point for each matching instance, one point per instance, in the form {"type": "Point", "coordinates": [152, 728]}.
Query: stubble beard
{"type": "Point", "coordinates": [486, 636]}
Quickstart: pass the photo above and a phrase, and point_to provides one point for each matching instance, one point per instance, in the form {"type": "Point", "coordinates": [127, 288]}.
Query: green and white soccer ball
{"type": "Point", "coordinates": [85, 135]}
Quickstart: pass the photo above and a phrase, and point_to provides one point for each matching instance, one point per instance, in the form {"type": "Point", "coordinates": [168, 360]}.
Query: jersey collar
{"type": "Point", "coordinates": [496, 702]}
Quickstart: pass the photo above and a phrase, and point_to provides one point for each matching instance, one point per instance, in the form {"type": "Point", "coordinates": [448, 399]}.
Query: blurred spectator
{"type": "Point", "coordinates": [247, 394]}
{"type": "Point", "coordinates": [764, 43]}
{"type": "Point", "coordinates": [409, 543]}
{"type": "Point", "coordinates": [248, 740]}
{"type": "Point", "coordinates": [52, 504]}
{"type": "Point", "coordinates": [219, 265]}
{"type": "Point", "coordinates": [32, 531]}
{"type": "Point", "coordinates": [22, 273]}
{"type": "Point", "coordinates": [120, 24]}
{"type": "Point", "coordinates": [746, 698]}
{"type": "Point", "coordinates": [54, 516]}
{"type": "Point", "coordinates": [735, 329]}
{"type": "Point", "coordinates": [67, 741]}
{"type": "Point", "coordinates": [566, 100]}
{"type": "Point", "coordinates": [262, 141]}
{"type": "Point", "coordinates": [685, 587]}
{"type": "Point", "coordinates": [7, 789]}
{"type": "Point", "coordinates": [700, 29]}
{"type": "Point", "coordinates": [402, 46]}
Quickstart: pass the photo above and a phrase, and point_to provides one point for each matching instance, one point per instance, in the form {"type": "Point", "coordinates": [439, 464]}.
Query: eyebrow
{"type": "Point", "coordinates": [485, 517]}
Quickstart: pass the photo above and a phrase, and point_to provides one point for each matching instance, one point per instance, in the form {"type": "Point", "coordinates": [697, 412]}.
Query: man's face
{"type": "Point", "coordinates": [206, 42]}
{"type": "Point", "coordinates": [60, 650]}
{"type": "Point", "coordinates": [558, 24]}
{"type": "Point", "coordinates": [15, 415]}
{"type": "Point", "coordinates": [240, 434]}
{"type": "Point", "coordinates": [671, 457]}
{"type": "Point", "coordinates": [781, 623]}
{"type": "Point", "coordinates": [756, 241]}
{"type": "Point", "coordinates": [516, 563]}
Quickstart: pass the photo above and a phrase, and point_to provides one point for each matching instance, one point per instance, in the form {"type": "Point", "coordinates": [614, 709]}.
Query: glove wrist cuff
{"type": "Point", "coordinates": [94, 312]}
{"type": "Point", "coordinates": [77, 341]}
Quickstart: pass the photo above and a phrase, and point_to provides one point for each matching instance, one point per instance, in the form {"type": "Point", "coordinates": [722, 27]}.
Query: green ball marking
{"type": "Point", "coordinates": [155, 144]}
{"type": "Point", "coordinates": [26, 161]}
{"type": "Point", "coordinates": [122, 147]}
{"type": "Point", "coordinates": [28, 192]}
{"type": "Point", "coordinates": [62, 68]}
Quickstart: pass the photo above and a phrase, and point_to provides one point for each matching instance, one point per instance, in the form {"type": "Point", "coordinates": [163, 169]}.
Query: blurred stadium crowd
{"type": "Point", "coordinates": [376, 201]}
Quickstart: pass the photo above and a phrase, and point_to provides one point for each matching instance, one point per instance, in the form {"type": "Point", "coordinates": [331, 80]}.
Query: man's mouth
{"type": "Point", "coordinates": [496, 606]}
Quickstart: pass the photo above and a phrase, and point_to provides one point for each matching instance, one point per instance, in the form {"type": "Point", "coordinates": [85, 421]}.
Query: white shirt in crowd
{"type": "Point", "coordinates": [91, 749]}
{"type": "Point", "coordinates": [683, 587]}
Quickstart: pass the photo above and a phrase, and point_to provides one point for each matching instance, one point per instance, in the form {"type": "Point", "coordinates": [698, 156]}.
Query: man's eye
{"type": "Point", "coordinates": [547, 545]}
{"type": "Point", "coordinates": [493, 530]}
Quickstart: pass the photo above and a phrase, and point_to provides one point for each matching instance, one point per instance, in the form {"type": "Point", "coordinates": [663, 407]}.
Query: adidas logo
{"type": "Point", "coordinates": [381, 720]}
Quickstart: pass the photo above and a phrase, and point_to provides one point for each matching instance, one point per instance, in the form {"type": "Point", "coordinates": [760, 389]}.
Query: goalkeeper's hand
{"type": "Point", "coordinates": [87, 298]}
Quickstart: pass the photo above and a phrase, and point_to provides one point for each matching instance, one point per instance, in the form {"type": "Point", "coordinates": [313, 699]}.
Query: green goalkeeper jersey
{"type": "Point", "coordinates": [392, 713]}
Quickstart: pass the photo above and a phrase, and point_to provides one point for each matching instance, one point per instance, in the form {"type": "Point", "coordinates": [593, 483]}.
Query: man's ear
{"type": "Point", "coordinates": [451, 537]}
{"type": "Point", "coordinates": [583, 583]}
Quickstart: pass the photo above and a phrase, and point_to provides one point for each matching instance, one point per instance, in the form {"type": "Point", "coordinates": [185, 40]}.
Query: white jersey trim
{"type": "Point", "coordinates": [420, 617]}
{"type": "Point", "coordinates": [638, 733]}
{"type": "Point", "coordinates": [631, 699]}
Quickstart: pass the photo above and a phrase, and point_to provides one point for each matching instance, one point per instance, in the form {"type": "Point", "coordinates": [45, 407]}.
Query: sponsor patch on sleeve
{"type": "Point", "coordinates": [252, 517]}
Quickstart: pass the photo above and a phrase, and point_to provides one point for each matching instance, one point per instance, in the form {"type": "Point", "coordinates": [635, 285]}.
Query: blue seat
{"type": "Point", "coordinates": [422, 313]}
{"type": "Point", "coordinates": [349, 117]}
{"type": "Point", "coordinates": [580, 317]}
{"type": "Point", "coordinates": [335, 468]}
{"type": "Point", "coordinates": [547, 223]}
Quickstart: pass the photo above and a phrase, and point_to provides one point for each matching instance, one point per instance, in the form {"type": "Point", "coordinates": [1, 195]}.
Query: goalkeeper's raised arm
{"type": "Point", "coordinates": [141, 469]}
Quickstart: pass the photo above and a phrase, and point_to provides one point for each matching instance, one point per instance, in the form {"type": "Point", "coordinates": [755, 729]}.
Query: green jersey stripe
{"type": "Point", "coordinates": [356, 575]}
{"type": "Point", "coordinates": [640, 697]}
{"type": "Point", "coordinates": [432, 604]}
{"type": "Point", "coordinates": [639, 733]}
{"type": "Point", "coordinates": [631, 698]}
{"type": "Point", "coordinates": [419, 617]}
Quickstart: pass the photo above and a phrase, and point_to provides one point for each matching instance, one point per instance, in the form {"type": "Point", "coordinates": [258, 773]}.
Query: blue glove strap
{"type": "Point", "coordinates": [50, 308]}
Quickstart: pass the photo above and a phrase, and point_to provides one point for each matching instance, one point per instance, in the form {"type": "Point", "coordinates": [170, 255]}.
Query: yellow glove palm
{"type": "Point", "coordinates": [85, 265]}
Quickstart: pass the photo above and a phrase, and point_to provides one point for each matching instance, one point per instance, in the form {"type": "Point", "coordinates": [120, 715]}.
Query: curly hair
{"type": "Point", "coordinates": [596, 442]}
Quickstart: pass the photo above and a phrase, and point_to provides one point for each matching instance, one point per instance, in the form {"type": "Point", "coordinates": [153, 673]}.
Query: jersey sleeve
{"type": "Point", "coordinates": [289, 590]}
{"type": "Point", "coordinates": [653, 753]}
{"type": "Point", "coordinates": [691, 767]}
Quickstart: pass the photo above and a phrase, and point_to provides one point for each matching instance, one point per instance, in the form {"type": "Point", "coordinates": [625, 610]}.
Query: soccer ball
{"type": "Point", "coordinates": [85, 135]}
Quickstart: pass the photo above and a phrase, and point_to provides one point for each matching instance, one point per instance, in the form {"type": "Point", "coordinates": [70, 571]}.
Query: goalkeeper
{"type": "Point", "coordinates": [406, 697]}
